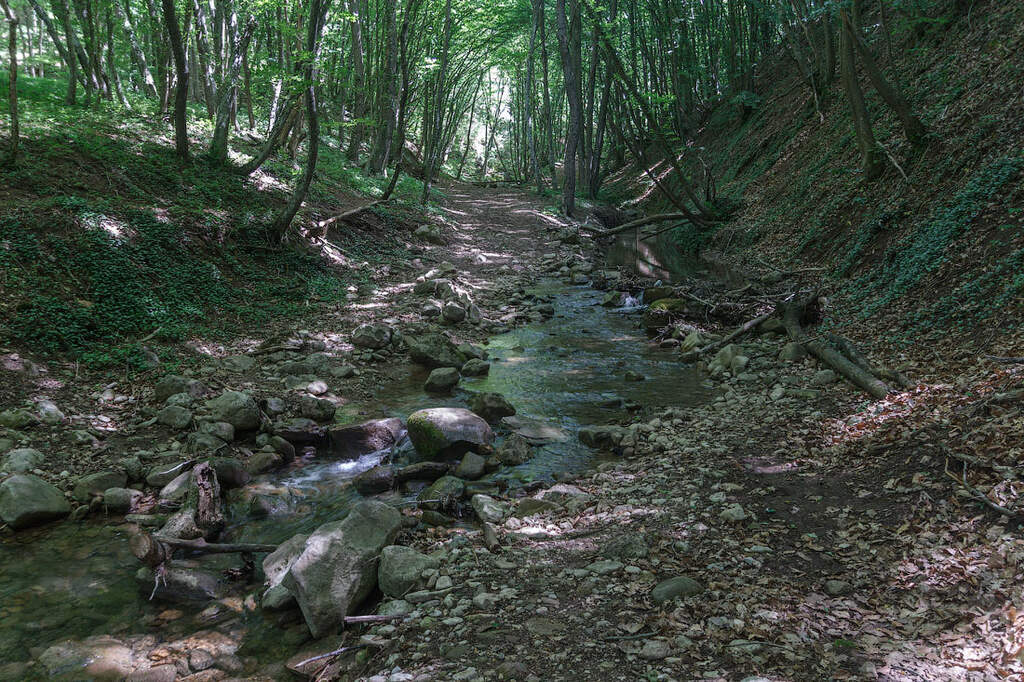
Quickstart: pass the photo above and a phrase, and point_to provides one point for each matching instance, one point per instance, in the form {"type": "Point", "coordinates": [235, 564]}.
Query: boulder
{"type": "Point", "coordinates": [337, 568]}
{"type": "Point", "coordinates": [601, 437]}
{"type": "Point", "coordinates": [792, 352]}
{"type": "Point", "coordinates": [453, 312]}
{"type": "Point", "coordinates": [421, 471]}
{"type": "Point", "coordinates": [472, 467]}
{"type": "Point", "coordinates": [317, 409]}
{"type": "Point", "coordinates": [562, 494]}
{"type": "Point", "coordinates": [121, 500]}
{"type": "Point", "coordinates": [22, 460]}
{"type": "Point", "coordinates": [491, 406]}
{"type": "Point", "coordinates": [356, 440]}
{"type": "Point", "coordinates": [263, 461]}
{"type": "Point", "coordinates": [442, 380]}
{"type": "Point", "coordinates": [301, 431]}
{"type": "Point", "coordinates": [429, 233]}
{"type": "Point", "coordinates": [401, 570]}
{"type": "Point", "coordinates": [488, 509]}
{"type": "Point", "coordinates": [175, 416]}
{"type": "Point", "coordinates": [475, 367]}
{"type": "Point", "coordinates": [162, 474]}
{"type": "Point", "coordinates": [96, 484]}
{"type": "Point", "coordinates": [220, 430]}
{"type": "Point", "coordinates": [94, 658]}
{"type": "Point", "coordinates": [442, 493]}
{"type": "Point", "coordinates": [235, 408]}
{"type": "Point", "coordinates": [17, 418]}
{"type": "Point", "coordinates": [434, 350]}
{"type": "Point", "coordinates": [680, 586]}
{"type": "Point", "coordinates": [238, 363]}
{"type": "Point", "coordinates": [658, 293]}
{"type": "Point", "coordinates": [275, 566]}
{"type": "Point", "coordinates": [181, 584]}
{"type": "Point", "coordinates": [661, 313]}
{"type": "Point", "coordinates": [231, 473]}
{"type": "Point", "coordinates": [49, 413]}
{"type": "Point", "coordinates": [373, 336]}
{"type": "Point", "coordinates": [173, 383]}
{"type": "Point", "coordinates": [379, 479]}
{"type": "Point", "coordinates": [27, 500]}
{"type": "Point", "coordinates": [447, 431]}
{"type": "Point", "coordinates": [514, 451]}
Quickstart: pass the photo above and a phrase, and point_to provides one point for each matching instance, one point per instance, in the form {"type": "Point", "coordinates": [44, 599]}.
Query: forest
{"type": "Point", "coordinates": [397, 340]}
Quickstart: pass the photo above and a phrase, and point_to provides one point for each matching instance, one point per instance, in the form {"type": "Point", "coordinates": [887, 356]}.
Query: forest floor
{"type": "Point", "coordinates": [812, 533]}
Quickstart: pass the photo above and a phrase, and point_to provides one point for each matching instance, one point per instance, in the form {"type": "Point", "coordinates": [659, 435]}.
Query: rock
{"type": "Point", "coordinates": [22, 460]}
{"type": "Point", "coordinates": [95, 484]}
{"type": "Point", "coordinates": [401, 570]}
{"type": "Point", "coordinates": [235, 408]}
{"type": "Point", "coordinates": [629, 545]}
{"type": "Point", "coordinates": [199, 660]}
{"type": "Point", "coordinates": [431, 309]}
{"type": "Point", "coordinates": [49, 413]}
{"type": "Point", "coordinates": [238, 364]}
{"type": "Point", "coordinates": [447, 432]}
{"type": "Point", "coordinates": [180, 584]}
{"type": "Point", "coordinates": [219, 430]}
{"type": "Point", "coordinates": [601, 437]}
{"type": "Point", "coordinates": [263, 461]}
{"type": "Point", "coordinates": [724, 357]}
{"type": "Point", "coordinates": [379, 479]}
{"type": "Point", "coordinates": [837, 588]}
{"type": "Point", "coordinates": [421, 471]}
{"type": "Point", "coordinates": [275, 566]}
{"type": "Point", "coordinates": [317, 409]}
{"type": "Point", "coordinates": [442, 380]}
{"type": "Point", "coordinates": [283, 448]}
{"type": "Point", "coordinates": [301, 431]}
{"type": "Point", "coordinates": [27, 500]}
{"type": "Point", "coordinates": [162, 474]}
{"type": "Point", "coordinates": [175, 416]}
{"type": "Point", "coordinates": [357, 440]}
{"type": "Point", "coordinates": [473, 314]}
{"type": "Point", "coordinates": [178, 488]}
{"type": "Point", "coordinates": [734, 513]}
{"type": "Point", "coordinates": [374, 336]}
{"type": "Point", "coordinates": [528, 506]}
{"type": "Point", "coordinates": [673, 588]}
{"type": "Point", "coordinates": [434, 350]}
{"type": "Point", "coordinates": [658, 293]}
{"type": "Point", "coordinates": [655, 650]}
{"type": "Point", "coordinates": [121, 500]}
{"type": "Point", "coordinates": [472, 467]}
{"type": "Point", "coordinates": [613, 299]}
{"type": "Point", "coordinates": [604, 567]}
{"type": "Point", "coordinates": [172, 384]}
{"type": "Point", "coordinates": [631, 375]}
{"type": "Point", "coordinates": [792, 352]}
{"type": "Point", "coordinates": [442, 493]}
{"type": "Point", "coordinates": [453, 312]}
{"type": "Point", "coordinates": [514, 450]}
{"type": "Point", "coordinates": [488, 509]}
{"type": "Point", "coordinates": [17, 419]}
{"type": "Point", "coordinates": [231, 473]}
{"type": "Point", "coordinates": [562, 493]}
{"type": "Point", "coordinates": [772, 325]}
{"type": "Point", "coordinates": [662, 312]}
{"type": "Point", "coordinates": [545, 627]}
{"type": "Point", "coordinates": [429, 233]}
{"type": "Point", "coordinates": [491, 406]}
{"type": "Point", "coordinates": [337, 568]}
{"type": "Point", "coordinates": [475, 367]}
{"type": "Point", "coordinates": [824, 377]}
{"type": "Point", "coordinates": [94, 658]}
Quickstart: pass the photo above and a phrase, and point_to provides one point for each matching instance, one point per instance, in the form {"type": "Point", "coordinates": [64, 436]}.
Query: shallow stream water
{"type": "Point", "coordinates": [73, 580]}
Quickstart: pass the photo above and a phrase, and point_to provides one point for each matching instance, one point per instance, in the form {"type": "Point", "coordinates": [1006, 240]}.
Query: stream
{"type": "Point", "coordinates": [74, 580]}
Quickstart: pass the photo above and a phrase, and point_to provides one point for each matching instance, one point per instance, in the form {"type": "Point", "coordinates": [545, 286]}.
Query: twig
{"type": "Point", "coordinates": [329, 654]}
{"type": "Point", "coordinates": [978, 495]}
{"type": "Point", "coordinates": [373, 619]}
{"type": "Point", "coordinates": [213, 547]}
{"type": "Point", "coordinates": [623, 638]}
{"type": "Point", "coordinates": [1005, 361]}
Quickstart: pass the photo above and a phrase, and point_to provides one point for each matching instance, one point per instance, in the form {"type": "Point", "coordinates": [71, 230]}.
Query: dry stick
{"type": "Point", "coordinates": [329, 654]}
{"type": "Point", "coordinates": [829, 356]}
{"type": "Point", "coordinates": [1003, 360]}
{"type": "Point", "coordinates": [743, 329]}
{"type": "Point", "coordinates": [980, 496]}
{"type": "Point", "coordinates": [373, 619]}
{"type": "Point", "coordinates": [640, 222]}
{"type": "Point", "coordinates": [324, 224]}
{"type": "Point", "coordinates": [201, 545]}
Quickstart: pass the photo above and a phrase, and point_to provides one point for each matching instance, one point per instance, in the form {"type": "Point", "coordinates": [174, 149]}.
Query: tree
{"type": "Point", "coordinates": [181, 69]}
{"type": "Point", "coordinates": [12, 83]}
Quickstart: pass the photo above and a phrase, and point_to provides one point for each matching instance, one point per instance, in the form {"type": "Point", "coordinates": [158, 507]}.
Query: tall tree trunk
{"type": "Point", "coordinates": [205, 58]}
{"type": "Point", "coordinates": [432, 150]}
{"type": "Point", "coordinates": [549, 134]}
{"type": "Point", "coordinates": [138, 55]}
{"type": "Point", "coordinates": [569, 49]}
{"type": "Point", "coordinates": [12, 81]}
{"type": "Point", "coordinates": [389, 107]}
{"type": "Point", "coordinates": [469, 129]}
{"type": "Point", "coordinates": [181, 68]}
{"type": "Point", "coordinates": [228, 91]}
{"type": "Point", "coordinates": [872, 160]}
{"type": "Point", "coordinates": [307, 69]}
{"type": "Point", "coordinates": [358, 84]}
{"type": "Point", "coordinates": [528, 109]}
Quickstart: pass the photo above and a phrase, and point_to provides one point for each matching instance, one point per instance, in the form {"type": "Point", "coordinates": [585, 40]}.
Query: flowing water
{"type": "Point", "coordinates": [76, 579]}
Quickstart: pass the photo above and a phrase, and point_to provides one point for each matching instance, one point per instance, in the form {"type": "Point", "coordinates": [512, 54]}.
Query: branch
{"type": "Point", "coordinates": [324, 224]}
{"type": "Point", "coordinates": [201, 545]}
{"type": "Point", "coordinates": [661, 217]}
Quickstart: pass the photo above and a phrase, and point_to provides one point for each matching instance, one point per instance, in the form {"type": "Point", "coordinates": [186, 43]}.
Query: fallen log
{"type": "Point", "coordinates": [153, 550]}
{"type": "Point", "coordinates": [324, 224]}
{"type": "Point", "coordinates": [740, 331]}
{"type": "Point", "coordinates": [846, 347]}
{"type": "Point", "coordinates": [858, 376]}
{"type": "Point", "coordinates": [640, 222]}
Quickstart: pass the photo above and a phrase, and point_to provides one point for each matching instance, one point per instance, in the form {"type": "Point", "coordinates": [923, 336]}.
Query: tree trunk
{"type": "Point", "coordinates": [12, 82]}
{"type": "Point", "coordinates": [872, 161]}
{"type": "Point", "coordinates": [181, 68]}
{"type": "Point", "coordinates": [137, 53]}
{"type": "Point", "coordinates": [569, 49]}
{"type": "Point", "coordinates": [358, 85]}
{"type": "Point", "coordinates": [228, 92]}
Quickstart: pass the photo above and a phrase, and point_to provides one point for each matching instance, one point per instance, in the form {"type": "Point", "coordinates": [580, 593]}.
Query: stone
{"type": "Point", "coordinates": [604, 567]}
{"type": "Point", "coordinates": [472, 467]}
{"type": "Point", "coordinates": [379, 479]}
{"type": "Point", "coordinates": [401, 570]}
{"type": "Point", "coordinates": [491, 406]}
{"type": "Point", "coordinates": [453, 312]}
{"type": "Point", "coordinates": [657, 293]}
{"type": "Point", "coordinates": [276, 565]}
{"type": "Point", "coordinates": [175, 417]}
{"type": "Point", "coordinates": [95, 484]}
{"type": "Point", "coordinates": [488, 509]}
{"type": "Point", "coordinates": [629, 545]}
{"type": "Point", "coordinates": [238, 364]}
{"type": "Point", "coordinates": [673, 588]}
{"type": "Point", "coordinates": [235, 408]}
{"type": "Point", "coordinates": [121, 500]}
{"type": "Point", "coordinates": [837, 588]}
{"type": "Point", "coordinates": [434, 350]}
{"type": "Point", "coordinates": [442, 493]}
{"type": "Point", "coordinates": [317, 409]}
{"type": "Point", "coordinates": [22, 460]}
{"type": "Point", "coordinates": [181, 584]}
{"type": "Point", "coordinates": [545, 627]}
{"type": "Point", "coordinates": [792, 352]}
{"type": "Point", "coordinates": [662, 312]}
{"type": "Point", "coordinates": [301, 431]}
{"type": "Point", "coordinates": [178, 488]}
{"type": "Point", "coordinates": [655, 650]}
{"type": "Point", "coordinates": [200, 659]}
{"type": "Point", "coordinates": [734, 513]}
{"type": "Point", "coordinates": [374, 336]}
{"type": "Point", "coordinates": [600, 437]}
{"type": "Point", "coordinates": [162, 474]}
{"type": "Point", "coordinates": [171, 384]}
{"type": "Point", "coordinates": [442, 380]}
{"type": "Point", "coordinates": [421, 471]}
{"type": "Point", "coordinates": [263, 461]}
{"type": "Point", "coordinates": [283, 448]}
{"type": "Point", "coordinates": [529, 506]}
{"type": "Point", "coordinates": [448, 432]}
{"type": "Point", "coordinates": [824, 377]}
{"type": "Point", "coordinates": [429, 233]}
{"type": "Point", "coordinates": [354, 441]}
{"type": "Point", "coordinates": [219, 430]}
{"type": "Point", "coordinates": [231, 473]}
{"type": "Point", "coordinates": [514, 450]}
{"type": "Point", "coordinates": [562, 493]}
{"type": "Point", "coordinates": [475, 367]}
{"type": "Point", "coordinates": [49, 413]}
{"type": "Point", "coordinates": [94, 658]}
{"type": "Point", "coordinates": [17, 419]}
{"type": "Point", "coordinates": [27, 500]}
{"type": "Point", "coordinates": [337, 568]}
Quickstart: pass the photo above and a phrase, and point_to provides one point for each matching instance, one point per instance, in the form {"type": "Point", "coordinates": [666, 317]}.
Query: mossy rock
{"type": "Point", "coordinates": [663, 311]}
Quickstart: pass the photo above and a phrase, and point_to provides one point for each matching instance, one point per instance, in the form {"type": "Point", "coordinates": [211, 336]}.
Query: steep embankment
{"type": "Point", "coordinates": [925, 260]}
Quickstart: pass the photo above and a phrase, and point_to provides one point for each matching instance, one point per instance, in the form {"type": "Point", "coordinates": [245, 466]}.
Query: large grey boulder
{"type": "Point", "coordinates": [27, 500]}
{"type": "Point", "coordinates": [491, 406]}
{"type": "Point", "coordinates": [514, 451]}
{"type": "Point", "coordinates": [175, 416]}
{"type": "Point", "coordinates": [488, 509]}
{"type": "Point", "coordinates": [22, 460]}
{"type": "Point", "coordinates": [96, 484]}
{"type": "Point", "coordinates": [472, 467]}
{"type": "Point", "coordinates": [275, 566]}
{"type": "Point", "coordinates": [337, 568]}
{"type": "Point", "coordinates": [447, 432]}
{"type": "Point", "coordinates": [95, 658]}
{"type": "Point", "coordinates": [371, 336]}
{"type": "Point", "coordinates": [401, 570]}
{"type": "Point", "coordinates": [434, 350]}
{"type": "Point", "coordinates": [317, 409]}
{"type": "Point", "coordinates": [235, 408]}
{"type": "Point", "coordinates": [379, 479]}
{"type": "Point", "coordinates": [442, 493]}
{"type": "Point", "coordinates": [442, 380]}
{"type": "Point", "coordinates": [356, 440]}
{"type": "Point", "coordinates": [173, 383]}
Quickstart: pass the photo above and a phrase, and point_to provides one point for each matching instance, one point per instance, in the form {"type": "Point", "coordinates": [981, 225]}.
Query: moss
{"type": "Point", "coordinates": [426, 436]}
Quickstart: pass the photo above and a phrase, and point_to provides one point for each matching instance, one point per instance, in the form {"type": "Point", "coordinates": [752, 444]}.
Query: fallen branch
{"type": "Point", "coordinates": [858, 376]}
{"type": "Point", "coordinates": [1005, 361]}
{"type": "Point", "coordinates": [324, 224]}
{"type": "Point", "coordinates": [374, 618]}
{"type": "Point", "coordinates": [743, 329]}
{"type": "Point", "coordinates": [201, 545]}
{"type": "Point", "coordinates": [623, 638]}
{"type": "Point", "coordinates": [330, 654]}
{"type": "Point", "coordinates": [980, 496]}
{"type": "Point", "coordinates": [640, 222]}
